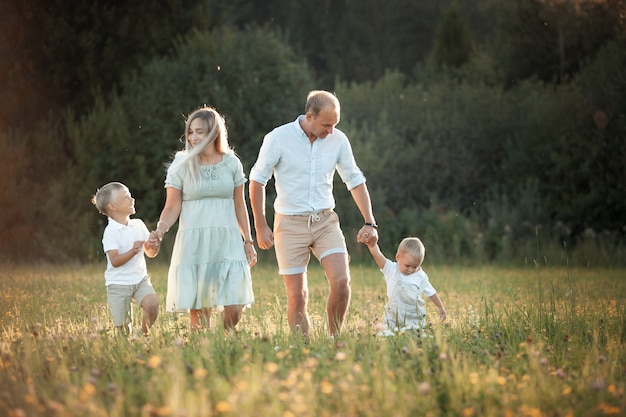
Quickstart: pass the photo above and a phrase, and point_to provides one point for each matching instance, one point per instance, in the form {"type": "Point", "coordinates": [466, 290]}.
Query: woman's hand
{"type": "Point", "coordinates": [250, 253]}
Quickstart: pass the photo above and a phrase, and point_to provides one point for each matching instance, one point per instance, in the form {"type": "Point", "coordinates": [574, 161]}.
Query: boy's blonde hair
{"type": "Point", "coordinates": [105, 195]}
{"type": "Point", "coordinates": [413, 247]}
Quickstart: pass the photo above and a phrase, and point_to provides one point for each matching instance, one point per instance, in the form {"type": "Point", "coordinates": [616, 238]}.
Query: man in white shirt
{"type": "Point", "coordinates": [303, 156]}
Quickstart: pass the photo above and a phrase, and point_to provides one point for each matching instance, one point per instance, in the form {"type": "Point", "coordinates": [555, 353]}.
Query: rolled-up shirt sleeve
{"type": "Point", "coordinates": [269, 156]}
{"type": "Point", "coordinates": [347, 168]}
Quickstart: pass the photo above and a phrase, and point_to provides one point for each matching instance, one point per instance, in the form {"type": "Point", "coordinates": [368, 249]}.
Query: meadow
{"type": "Point", "coordinates": [529, 341]}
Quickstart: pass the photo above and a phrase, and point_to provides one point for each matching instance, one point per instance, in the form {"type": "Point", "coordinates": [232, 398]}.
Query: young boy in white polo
{"type": "Point", "coordinates": [125, 241]}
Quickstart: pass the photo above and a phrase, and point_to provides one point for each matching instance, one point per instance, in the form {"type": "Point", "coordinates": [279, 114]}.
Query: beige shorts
{"type": "Point", "coordinates": [296, 236]}
{"type": "Point", "coordinates": [120, 298]}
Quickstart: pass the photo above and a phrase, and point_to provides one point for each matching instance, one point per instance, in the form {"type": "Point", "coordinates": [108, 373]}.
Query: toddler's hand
{"type": "Point", "coordinates": [443, 314]}
{"type": "Point", "coordinates": [366, 239]}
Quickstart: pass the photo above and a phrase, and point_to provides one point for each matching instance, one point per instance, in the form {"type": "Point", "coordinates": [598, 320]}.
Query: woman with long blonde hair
{"type": "Point", "coordinates": [213, 250]}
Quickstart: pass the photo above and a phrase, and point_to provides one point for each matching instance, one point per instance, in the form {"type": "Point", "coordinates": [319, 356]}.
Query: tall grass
{"type": "Point", "coordinates": [533, 341]}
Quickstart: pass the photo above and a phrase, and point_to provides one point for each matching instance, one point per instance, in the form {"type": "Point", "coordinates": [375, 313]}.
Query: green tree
{"type": "Point", "coordinates": [453, 39]}
{"type": "Point", "coordinates": [550, 39]}
{"type": "Point", "coordinates": [252, 77]}
{"type": "Point", "coordinates": [57, 53]}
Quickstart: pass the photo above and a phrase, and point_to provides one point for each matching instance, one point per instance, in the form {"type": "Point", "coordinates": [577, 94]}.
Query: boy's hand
{"type": "Point", "coordinates": [138, 246]}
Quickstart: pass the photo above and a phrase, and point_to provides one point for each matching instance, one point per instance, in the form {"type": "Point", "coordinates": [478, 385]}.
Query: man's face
{"type": "Point", "coordinates": [323, 124]}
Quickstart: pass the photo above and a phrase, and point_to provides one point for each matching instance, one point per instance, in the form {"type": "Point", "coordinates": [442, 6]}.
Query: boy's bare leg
{"type": "Point", "coordinates": [150, 306]}
{"type": "Point", "coordinates": [232, 315]}
{"type": "Point", "coordinates": [200, 316]}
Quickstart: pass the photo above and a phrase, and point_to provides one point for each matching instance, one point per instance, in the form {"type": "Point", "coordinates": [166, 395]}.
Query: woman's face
{"type": "Point", "coordinates": [197, 132]}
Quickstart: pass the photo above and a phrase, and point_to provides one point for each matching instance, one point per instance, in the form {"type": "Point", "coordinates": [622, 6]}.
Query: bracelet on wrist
{"type": "Point", "coordinates": [167, 226]}
{"type": "Point", "coordinates": [374, 225]}
{"type": "Point", "coordinates": [248, 242]}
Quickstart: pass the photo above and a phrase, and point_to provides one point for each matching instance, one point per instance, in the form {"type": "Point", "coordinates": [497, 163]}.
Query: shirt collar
{"type": "Point", "coordinates": [302, 132]}
{"type": "Point", "coordinates": [116, 224]}
{"type": "Point", "coordinates": [299, 126]}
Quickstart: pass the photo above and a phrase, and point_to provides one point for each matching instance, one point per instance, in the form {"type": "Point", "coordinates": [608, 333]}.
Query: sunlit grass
{"type": "Point", "coordinates": [534, 341]}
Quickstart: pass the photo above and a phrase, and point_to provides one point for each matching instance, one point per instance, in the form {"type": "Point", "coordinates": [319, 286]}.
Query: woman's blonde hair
{"type": "Point", "coordinates": [216, 135]}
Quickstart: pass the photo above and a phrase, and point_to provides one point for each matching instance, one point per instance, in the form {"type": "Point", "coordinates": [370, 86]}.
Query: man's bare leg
{"type": "Point", "coordinates": [338, 276]}
{"type": "Point", "coordinates": [297, 302]}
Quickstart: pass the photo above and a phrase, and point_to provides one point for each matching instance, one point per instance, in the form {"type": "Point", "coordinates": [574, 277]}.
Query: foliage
{"type": "Point", "coordinates": [251, 77]}
{"type": "Point", "coordinates": [453, 44]}
{"type": "Point", "coordinates": [551, 39]}
{"type": "Point", "coordinates": [60, 53]}
{"type": "Point", "coordinates": [537, 340]}
{"type": "Point", "coordinates": [455, 142]}
{"type": "Point", "coordinates": [427, 142]}
{"type": "Point", "coordinates": [345, 39]}
{"type": "Point", "coordinates": [17, 224]}
{"type": "Point", "coordinates": [524, 134]}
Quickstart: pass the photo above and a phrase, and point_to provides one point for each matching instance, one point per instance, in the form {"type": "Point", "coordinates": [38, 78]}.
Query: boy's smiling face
{"type": "Point", "coordinates": [123, 203]}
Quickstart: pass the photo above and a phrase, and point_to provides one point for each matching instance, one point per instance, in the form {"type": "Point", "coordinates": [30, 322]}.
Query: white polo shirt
{"type": "Point", "coordinates": [304, 171]}
{"type": "Point", "coordinates": [121, 237]}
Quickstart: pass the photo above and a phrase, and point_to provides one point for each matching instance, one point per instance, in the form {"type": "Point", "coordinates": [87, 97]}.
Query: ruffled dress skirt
{"type": "Point", "coordinates": [208, 267]}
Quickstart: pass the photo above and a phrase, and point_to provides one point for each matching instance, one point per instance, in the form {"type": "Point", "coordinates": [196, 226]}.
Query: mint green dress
{"type": "Point", "coordinates": [208, 268]}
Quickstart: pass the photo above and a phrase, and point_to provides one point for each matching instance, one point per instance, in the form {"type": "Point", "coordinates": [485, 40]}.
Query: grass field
{"type": "Point", "coordinates": [535, 341]}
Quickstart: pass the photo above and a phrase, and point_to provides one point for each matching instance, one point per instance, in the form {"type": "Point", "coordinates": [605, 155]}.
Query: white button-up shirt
{"type": "Point", "coordinates": [304, 171]}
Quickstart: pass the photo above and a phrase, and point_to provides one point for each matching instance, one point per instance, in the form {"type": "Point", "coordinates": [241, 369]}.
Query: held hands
{"type": "Point", "coordinates": [153, 240]}
{"type": "Point", "coordinates": [161, 230]}
{"type": "Point", "coordinates": [368, 235]}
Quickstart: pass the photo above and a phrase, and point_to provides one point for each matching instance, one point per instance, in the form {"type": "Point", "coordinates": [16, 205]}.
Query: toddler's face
{"type": "Point", "coordinates": [407, 264]}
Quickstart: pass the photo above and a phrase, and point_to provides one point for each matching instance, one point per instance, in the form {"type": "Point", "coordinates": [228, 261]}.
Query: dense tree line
{"type": "Point", "coordinates": [479, 123]}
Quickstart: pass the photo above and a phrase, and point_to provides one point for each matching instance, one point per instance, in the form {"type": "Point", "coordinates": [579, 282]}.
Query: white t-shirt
{"type": "Point", "coordinates": [121, 237]}
{"type": "Point", "coordinates": [405, 308]}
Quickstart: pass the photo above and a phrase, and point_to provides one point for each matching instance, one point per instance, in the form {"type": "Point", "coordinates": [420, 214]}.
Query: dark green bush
{"type": "Point", "coordinates": [251, 77]}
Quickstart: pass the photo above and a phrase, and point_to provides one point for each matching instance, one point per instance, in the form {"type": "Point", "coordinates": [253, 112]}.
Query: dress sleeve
{"type": "Point", "coordinates": [239, 177]}
{"type": "Point", "coordinates": [174, 177]}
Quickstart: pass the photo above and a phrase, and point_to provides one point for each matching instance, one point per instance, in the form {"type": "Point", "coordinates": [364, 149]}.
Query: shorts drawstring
{"type": "Point", "coordinates": [313, 217]}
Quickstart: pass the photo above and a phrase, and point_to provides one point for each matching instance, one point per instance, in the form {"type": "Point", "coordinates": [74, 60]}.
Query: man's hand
{"type": "Point", "coordinates": [367, 235]}
{"type": "Point", "coordinates": [264, 237]}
